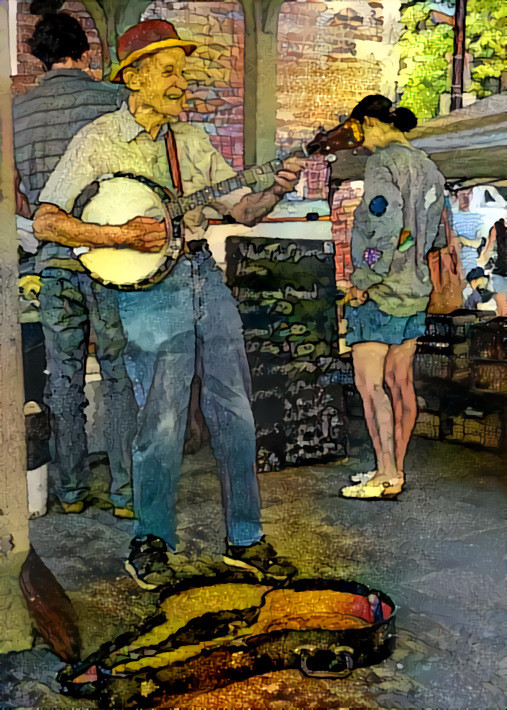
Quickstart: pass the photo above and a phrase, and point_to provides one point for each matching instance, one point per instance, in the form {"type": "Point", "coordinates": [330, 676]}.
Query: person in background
{"type": "Point", "coordinates": [494, 256]}
{"type": "Point", "coordinates": [45, 120]}
{"type": "Point", "coordinates": [470, 228]}
{"type": "Point", "coordinates": [395, 226]}
{"type": "Point", "coordinates": [478, 297]}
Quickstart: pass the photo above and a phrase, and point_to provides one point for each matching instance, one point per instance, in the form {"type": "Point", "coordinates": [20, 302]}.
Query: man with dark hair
{"type": "Point", "coordinates": [478, 289]}
{"type": "Point", "coordinates": [45, 121]}
{"type": "Point", "coordinates": [59, 37]}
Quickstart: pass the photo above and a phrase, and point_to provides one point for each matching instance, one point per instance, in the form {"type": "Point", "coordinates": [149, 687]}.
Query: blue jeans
{"type": "Point", "coordinates": [190, 323]}
{"type": "Point", "coordinates": [70, 303]}
{"type": "Point", "coordinates": [469, 257]}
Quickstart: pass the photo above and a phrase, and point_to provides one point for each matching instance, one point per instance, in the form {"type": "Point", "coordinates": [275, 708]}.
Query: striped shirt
{"type": "Point", "coordinates": [469, 225]}
{"type": "Point", "coordinates": [48, 116]}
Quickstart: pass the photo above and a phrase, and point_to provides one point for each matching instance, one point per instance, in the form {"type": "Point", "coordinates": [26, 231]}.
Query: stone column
{"type": "Point", "coordinates": [261, 23]}
{"type": "Point", "coordinates": [14, 543]}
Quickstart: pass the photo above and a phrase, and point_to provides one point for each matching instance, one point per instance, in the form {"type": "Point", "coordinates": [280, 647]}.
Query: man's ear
{"type": "Point", "coordinates": [86, 59]}
{"type": "Point", "coordinates": [368, 121]}
{"type": "Point", "coordinates": [131, 78]}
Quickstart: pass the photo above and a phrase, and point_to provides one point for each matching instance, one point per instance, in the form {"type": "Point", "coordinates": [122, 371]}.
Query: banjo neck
{"type": "Point", "coordinates": [348, 134]}
{"type": "Point", "coordinates": [177, 208]}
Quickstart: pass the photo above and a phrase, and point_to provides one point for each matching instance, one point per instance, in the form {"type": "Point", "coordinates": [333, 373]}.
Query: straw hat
{"type": "Point", "coordinates": [146, 38]}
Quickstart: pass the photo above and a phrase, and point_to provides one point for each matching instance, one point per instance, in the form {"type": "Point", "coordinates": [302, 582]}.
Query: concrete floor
{"type": "Point", "coordinates": [437, 552]}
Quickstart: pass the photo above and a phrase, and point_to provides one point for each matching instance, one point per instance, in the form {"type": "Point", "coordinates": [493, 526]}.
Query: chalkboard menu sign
{"type": "Point", "coordinates": [286, 294]}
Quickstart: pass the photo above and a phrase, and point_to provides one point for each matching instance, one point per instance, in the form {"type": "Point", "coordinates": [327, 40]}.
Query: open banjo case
{"type": "Point", "coordinates": [218, 633]}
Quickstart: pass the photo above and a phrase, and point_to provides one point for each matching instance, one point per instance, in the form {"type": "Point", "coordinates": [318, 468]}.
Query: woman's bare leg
{"type": "Point", "coordinates": [369, 360]}
{"type": "Point", "coordinates": [399, 377]}
{"type": "Point", "coordinates": [501, 304]}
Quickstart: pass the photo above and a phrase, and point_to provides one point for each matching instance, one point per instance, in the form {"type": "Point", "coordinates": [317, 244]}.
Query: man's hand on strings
{"type": "Point", "coordinates": [288, 177]}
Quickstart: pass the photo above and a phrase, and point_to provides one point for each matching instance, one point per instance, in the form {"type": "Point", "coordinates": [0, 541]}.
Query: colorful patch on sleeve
{"type": "Point", "coordinates": [378, 205]}
{"type": "Point", "coordinates": [371, 256]}
{"type": "Point", "coordinates": [406, 240]}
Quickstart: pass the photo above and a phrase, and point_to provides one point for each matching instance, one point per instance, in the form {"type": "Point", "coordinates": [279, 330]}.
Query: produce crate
{"type": "Point", "coordinates": [485, 430]}
{"type": "Point", "coordinates": [489, 340]}
{"type": "Point", "coordinates": [489, 376]}
{"type": "Point", "coordinates": [427, 425]}
{"type": "Point", "coordinates": [441, 360]}
{"type": "Point", "coordinates": [451, 327]}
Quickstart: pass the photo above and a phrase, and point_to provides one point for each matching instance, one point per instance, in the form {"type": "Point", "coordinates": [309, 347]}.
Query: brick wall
{"type": "Point", "coordinates": [331, 54]}
{"type": "Point", "coordinates": [345, 201]}
{"type": "Point", "coordinates": [216, 67]}
{"type": "Point", "coordinates": [30, 68]}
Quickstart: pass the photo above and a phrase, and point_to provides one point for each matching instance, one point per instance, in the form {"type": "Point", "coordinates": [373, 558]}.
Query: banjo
{"type": "Point", "coordinates": [116, 199]}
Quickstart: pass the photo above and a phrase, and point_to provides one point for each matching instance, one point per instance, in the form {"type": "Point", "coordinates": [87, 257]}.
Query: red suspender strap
{"type": "Point", "coordinates": [172, 156]}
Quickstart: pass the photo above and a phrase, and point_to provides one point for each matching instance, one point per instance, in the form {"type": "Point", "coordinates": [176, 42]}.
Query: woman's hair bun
{"type": "Point", "coordinates": [381, 108]}
{"type": "Point", "coordinates": [403, 119]}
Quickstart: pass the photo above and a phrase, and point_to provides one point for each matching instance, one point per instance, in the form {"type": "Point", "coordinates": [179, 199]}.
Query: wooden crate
{"type": "Point", "coordinates": [489, 376]}
{"type": "Point", "coordinates": [484, 431]}
{"type": "Point", "coordinates": [489, 340]}
{"type": "Point", "coordinates": [427, 425]}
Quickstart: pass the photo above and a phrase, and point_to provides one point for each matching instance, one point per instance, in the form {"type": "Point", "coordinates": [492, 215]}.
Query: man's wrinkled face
{"type": "Point", "coordinates": [159, 81]}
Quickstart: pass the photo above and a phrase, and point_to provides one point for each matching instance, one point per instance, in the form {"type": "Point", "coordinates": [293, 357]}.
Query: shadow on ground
{"type": "Point", "coordinates": [437, 552]}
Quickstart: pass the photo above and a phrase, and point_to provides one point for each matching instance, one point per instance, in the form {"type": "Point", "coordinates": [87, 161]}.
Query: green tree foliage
{"type": "Point", "coordinates": [487, 42]}
{"type": "Point", "coordinates": [426, 47]}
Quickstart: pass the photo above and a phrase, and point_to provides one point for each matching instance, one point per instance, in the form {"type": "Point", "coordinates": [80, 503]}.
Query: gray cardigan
{"type": "Point", "coordinates": [403, 190]}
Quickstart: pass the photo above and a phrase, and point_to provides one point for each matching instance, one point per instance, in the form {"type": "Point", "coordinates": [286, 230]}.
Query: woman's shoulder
{"type": "Point", "coordinates": [402, 156]}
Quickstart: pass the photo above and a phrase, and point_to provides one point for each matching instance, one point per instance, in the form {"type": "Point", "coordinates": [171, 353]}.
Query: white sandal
{"type": "Point", "coordinates": [363, 477]}
{"type": "Point", "coordinates": [386, 490]}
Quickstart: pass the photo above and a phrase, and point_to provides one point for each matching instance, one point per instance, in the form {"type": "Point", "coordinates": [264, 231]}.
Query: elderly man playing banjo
{"type": "Point", "coordinates": [177, 313]}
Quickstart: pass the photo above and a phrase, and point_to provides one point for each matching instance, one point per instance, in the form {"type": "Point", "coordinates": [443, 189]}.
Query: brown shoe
{"type": "Point", "coordinates": [259, 557]}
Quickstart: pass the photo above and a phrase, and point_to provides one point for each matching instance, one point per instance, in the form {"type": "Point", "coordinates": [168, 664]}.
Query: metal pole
{"type": "Point", "coordinates": [458, 61]}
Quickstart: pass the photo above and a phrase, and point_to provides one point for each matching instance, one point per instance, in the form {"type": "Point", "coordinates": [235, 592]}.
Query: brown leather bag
{"type": "Point", "coordinates": [445, 271]}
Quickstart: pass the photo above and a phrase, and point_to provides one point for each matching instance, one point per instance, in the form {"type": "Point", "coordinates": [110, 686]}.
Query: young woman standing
{"type": "Point", "coordinates": [395, 226]}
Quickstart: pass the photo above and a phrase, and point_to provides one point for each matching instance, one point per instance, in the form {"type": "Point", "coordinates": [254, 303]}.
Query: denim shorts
{"type": "Point", "coordinates": [367, 323]}
{"type": "Point", "coordinates": [499, 283]}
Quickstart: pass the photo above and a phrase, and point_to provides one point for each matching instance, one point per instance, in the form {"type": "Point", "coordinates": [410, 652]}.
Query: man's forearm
{"type": "Point", "coordinates": [51, 224]}
{"type": "Point", "coordinates": [253, 207]}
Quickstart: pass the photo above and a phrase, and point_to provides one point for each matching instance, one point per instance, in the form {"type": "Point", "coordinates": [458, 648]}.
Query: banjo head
{"type": "Point", "coordinates": [118, 200]}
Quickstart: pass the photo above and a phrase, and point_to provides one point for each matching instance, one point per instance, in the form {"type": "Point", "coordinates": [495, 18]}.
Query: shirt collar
{"type": "Point", "coordinates": [75, 73]}
{"type": "Point", "coordinates": [129, 128]}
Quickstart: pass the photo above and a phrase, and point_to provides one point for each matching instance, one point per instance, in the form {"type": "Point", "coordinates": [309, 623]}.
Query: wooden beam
{"type": "Point", "coordinates": [13, 493]}
{"type": "Point", "coordinates": [112, 18]}
{"type": "Point", "coordinates": [97, 14]}
{"type": "Point", "coordinates": [260, 103]}
{"type": "Point", "coordinates": [14, 543]}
